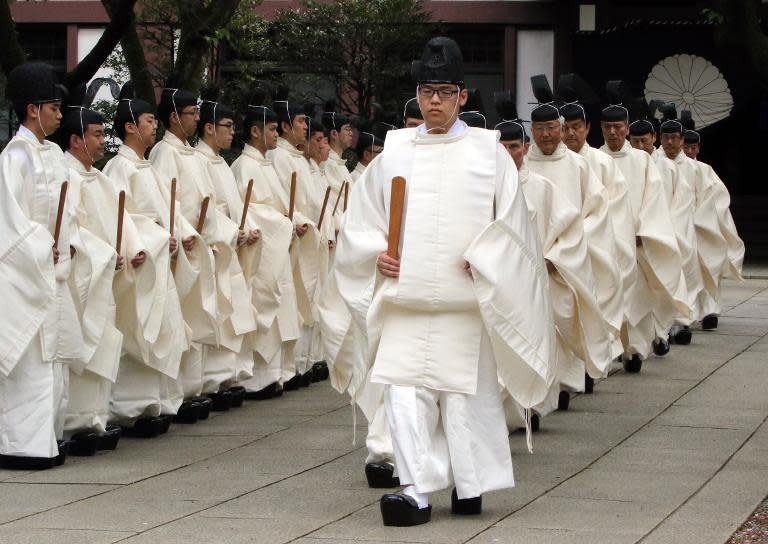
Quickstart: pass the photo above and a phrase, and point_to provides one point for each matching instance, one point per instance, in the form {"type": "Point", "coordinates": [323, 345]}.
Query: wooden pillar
{"type": "Point", "coordinates": [71, 46]}
{"type": "Point", "coordinates": [510, 57]}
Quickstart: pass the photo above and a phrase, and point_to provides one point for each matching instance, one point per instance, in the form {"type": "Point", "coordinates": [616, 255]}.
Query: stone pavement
{"type": "Point", "coordinates": [677, 454]}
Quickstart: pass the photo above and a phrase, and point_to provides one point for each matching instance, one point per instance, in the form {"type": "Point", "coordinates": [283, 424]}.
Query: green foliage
{"type": "Point", "coordinates": [364, 46]}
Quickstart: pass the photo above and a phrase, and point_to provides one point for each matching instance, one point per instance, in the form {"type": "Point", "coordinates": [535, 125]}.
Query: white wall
{"type": "Point", "coordinates": [535, 55]}
{"type": "Point", "coordinates": [86, 39]}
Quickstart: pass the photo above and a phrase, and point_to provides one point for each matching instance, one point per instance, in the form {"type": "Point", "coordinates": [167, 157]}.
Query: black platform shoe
{"type": "Point", "coordinates": [320, 371]}
{"type": "Point", "coordinates": [278, 390]}
{"type": "Point", "coordinates": [466, 507]}
{"type": "Point", "coordinates": [535, 422]}
{"type": "Point", "coordinates": [683, 336]}
{"type": "Point", "coordinates": [403, 511]}
{"type": "Point", "coordinates": [266, 393]}
{"type": "Point", "coordinates": [221, 401]}
{"type": "Point", "coordinates": [306, 378]}
{"type": "Point", "coordinates": [238, 395]}
{"type": "Point", "coordinates": [292, 384]}
{"type": "Point", "coordinates": [563, 401]}
{"type": "Point", "coordinates": [632, 365]}
{"type": "Point", "coordinates": [589, 384]}
{"type": "Point", "coordinates": [709, 322]}
{"type": "Point", "coordinates": [188, 412]}
{"type": "Point", "coordinates": [205, 406]}
{"type": "Point", "coordinates": [84, 444]}
{"type": "Point", "coordinates": [147, 427]}
{"type": "Point", "coordinates": [166, 420]}
{"type": "Point", "coordinates": [381, 475]}
{"type": "Point", "coordinates": [63, 446]}
{"type": "Point", "coordinates": [110, 438]}
{"type": "Point", "coordinates": [660, 347]}
{"type": "Point", "coordinates": [14, 462]}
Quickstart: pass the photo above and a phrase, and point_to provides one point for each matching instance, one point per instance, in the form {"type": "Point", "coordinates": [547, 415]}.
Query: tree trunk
{"type": "Point", "coordinates": [11, 53]}
{"type": "Point", "coordinates": [121, 18]}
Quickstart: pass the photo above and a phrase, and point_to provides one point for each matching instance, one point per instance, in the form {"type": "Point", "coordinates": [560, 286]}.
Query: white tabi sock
{"type": "Point", "coordinates": [421, 499]}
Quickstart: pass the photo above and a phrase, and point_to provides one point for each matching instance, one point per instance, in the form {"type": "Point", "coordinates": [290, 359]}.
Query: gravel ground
{"type": "Point", "coordinates": [755, 529]}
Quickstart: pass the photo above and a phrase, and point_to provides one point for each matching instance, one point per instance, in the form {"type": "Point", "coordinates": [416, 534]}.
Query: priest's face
{"type": "Point", "coordinates": [692, 150]}
{"type": "Point", "coordinates": [48, 115]}
{"type": "Point", "coordinates": [299, 130]}
{"type": "Point", "coordinates": [225, 132]}
{"type": "Point", "coordinates": [575, 134]}
{"type": "Point", "coordinates": [516, 150]}
{"type": "Point", "coordinates": [547, 135]}
{"type": "Point", "coordinates": [188, 118]}
{"type": "Point", "coordinates": [94, 139]}
{"type": "Point", "coordinates": [344, 136]}
{"type": "Point", "coordinates": [644, 142]}
{"type": "Point", "coordinates": [271, 135]}
{"type": "Point", "coordinates": [370, 154]}
{"type": "Point", "coordinates": [315, 147]}
{"type": "Point", "coordinates": [440, 104]}
{"type": "Point", "coordinates": [672, 144]}
{"type": "Point", "coordinates": [615, 134]}
{"type": "Point", "coordinates": [147, 128]}
{"type": "Point", "coordinates": [412, 122]}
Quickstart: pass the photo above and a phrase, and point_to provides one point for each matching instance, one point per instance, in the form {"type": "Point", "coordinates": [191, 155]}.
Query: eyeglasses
{"type": "Point", "coordinates": [193, 112]}
{"type": "Point", "coordinates": [226, 125]}
{"type": "Point", "coordinates": [444, 93]}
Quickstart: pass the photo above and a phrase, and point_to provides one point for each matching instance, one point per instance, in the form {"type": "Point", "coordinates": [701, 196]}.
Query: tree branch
{"type": "Point", "coordinates": [121, 19]}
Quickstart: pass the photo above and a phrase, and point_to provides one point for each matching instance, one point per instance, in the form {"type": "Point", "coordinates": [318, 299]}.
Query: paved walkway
{"type": "Point", "coordinates": [676, 454]}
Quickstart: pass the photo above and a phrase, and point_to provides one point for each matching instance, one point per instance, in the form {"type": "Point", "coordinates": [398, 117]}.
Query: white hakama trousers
{"type": "Point", "coordinates": [638, 339]}
{"type": "Point", "coordinates": [302, 353]}
{"type": "Point", "coordinates": [440, 438]}
{"type": "Point", "coordinates": [33, 405]}
{"type": "Point", "coordinates": [315, 348]}
{"type": "Point", "coordinates": [379, 438]}
{"type": "Point", "coordinates": [136, 392]}
{"type": "Point", "coordinates": [88, 407]}
{"type": "Point", "coordinates": [219, 368]}
{"type": "Point", "coordinates": [264, 372]}
{"type": "Point", "coordinates": [191, 370]}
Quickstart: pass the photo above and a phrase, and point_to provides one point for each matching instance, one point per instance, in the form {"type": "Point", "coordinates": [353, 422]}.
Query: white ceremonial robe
{"type": "Point", "coordinates": [274, 293]}
{"type": "Point", "coordinates": [733, 264]}
{"type": "Point", "coordinates": [146, 384]}
{"type": "Point", "coordinates": [583, 342]}
{"type": "Point", "coordinates": [337, 174]}
{"type": "Point", "coordinates": [309, 256]}
{"type": "Point", "coordinates": [38, 339]}
{"type": "Point", "coordinates": [711, 244]}
{"type": "Point", "coordinates": [571, 173]}
{"type": "Point", "coordinates": [357, 172]}
{"type": "Point", "coordinates": [681, 208]}
{"type": "Point", "coordinates": [437, 340]}
{"type": "Point", "coordinates": [198, 284]}
{"type": "Point", "coordinates": [240, 326]}
{"type": "Point", "coordinates": [659, 294]}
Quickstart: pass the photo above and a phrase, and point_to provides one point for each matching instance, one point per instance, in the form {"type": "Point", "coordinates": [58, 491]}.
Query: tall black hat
{"type": "Point", "coordinates": [575, 93]}
{"type": "Point", "coordinates": [211, 110]}
{"type": "Point", "coordinates": [441, 62]}
{"type": "Point", "coordinates": [33, 83]}
{"type": "Point", "coordinates": [511, 127]}
{"type": "Point", "coordinates": [286, 110]}
{"type": "Point", "coordinates": [546, 110]}
{"type": "Point", "coordinates": [332, 119]}
{"type": "Point", "coordinates": [77, 115]}
{"type": "Point", "coordinates": [412, 110]}
{"type": "Point", "coordinates": [473, 113]}
{"type": "Point", "coordinates": [173, 99]}
{"type": "Point", "coordinates": [669, 123]}
{"type": "Point", "coordinates": [256, 113]}
{"type": "Point", "coordinates": [372, 133]}
{"type": "Point", "coordinates": [690, 136]}
{"type": "Point", "coordinates": [129, 109]}
{"type": "Point", "coordinates": [644, 121]}
{"type": "Point", "coordinates": [619, 100]}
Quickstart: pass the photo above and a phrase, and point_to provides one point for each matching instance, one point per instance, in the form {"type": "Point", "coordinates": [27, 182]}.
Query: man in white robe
{"type": "Point", "coordinates": [659, 293]}
{"type": "Point", "coordinates": [339, 133]}
{"type": "Point", "coordinates": [274, 290]}
{"type": "Point", "coordinates": [310, 259]}
{"type": "Point", "coordinates": [206, 305]}
{"type": "Point", "coordinates": [147, 394]}
{"type": "Point", "coordinates": [412, 116]}
{"type": "Point", "coordinates": [642, 136]}
{"type": "Point", "coordinates": [549, 157]}
{"type": "Point", "coordinates": [37, 339]}
{"type": "Point", "coordinates": [216, 131]}
{"type": "Point", "coordinates": [712, 245]}
{"type": "Point", "coordinates": [434, 324]}
{"type": "Point", "coordinates": [368, 148]}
